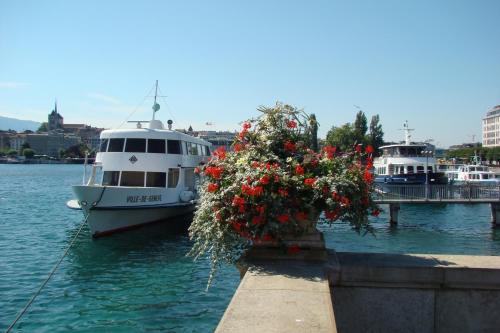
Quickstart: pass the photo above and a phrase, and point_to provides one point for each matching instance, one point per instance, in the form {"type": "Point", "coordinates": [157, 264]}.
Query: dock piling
{"type": "Point", "coordinates": [394, 213]}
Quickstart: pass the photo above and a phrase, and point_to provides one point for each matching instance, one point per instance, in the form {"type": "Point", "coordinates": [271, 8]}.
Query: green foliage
{"type": "Point", "coordinates": [28, 153]}
{"type": "Point", "coordinates": [348, 135]}
{"type": "Point", "coordinates": [25, 145]}
{"type": "Point", "coordinates": [360, 127]}
{"type": "Point", "coordinates": [344, 137]}
{"type": "Point", "coordinates": [273, 185]}
{"type": "Point", "coordinates": [43, 127]}
{"type": "Point", "coordinates": [76, 151]}
{"type": "Point", "coordinates": [376, 134]}
{"type": "Point", "coordinates": [12, 153]}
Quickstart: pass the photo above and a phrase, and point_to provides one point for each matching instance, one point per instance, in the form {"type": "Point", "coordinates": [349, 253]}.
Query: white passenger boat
{"type": "Point", "coordinates": [473, 174]}
{"type": "Point", "coordinates": [407, 163]}
{"type": "Point", "coordinates": [139, 176]}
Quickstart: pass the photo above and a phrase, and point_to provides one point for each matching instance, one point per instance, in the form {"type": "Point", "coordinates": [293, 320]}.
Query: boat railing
{"type": "Point", "coordinates": [430, 192]}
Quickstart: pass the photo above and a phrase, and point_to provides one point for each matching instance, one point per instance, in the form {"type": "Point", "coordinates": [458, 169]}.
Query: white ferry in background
{"type": "Point", "coordinates": [140, 176]}
{"type": "Point", "coordinates": [407, 164]}
{"type": "Point", "coordinates": [473, 174]}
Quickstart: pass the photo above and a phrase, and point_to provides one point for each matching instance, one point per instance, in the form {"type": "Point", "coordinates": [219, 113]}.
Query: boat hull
{"type": "Point", "coordinates": [412, 179]}
{"type": "Point", "coordinates": [113, 209]}
{"type": "Point", "coordinates": [105, 221]}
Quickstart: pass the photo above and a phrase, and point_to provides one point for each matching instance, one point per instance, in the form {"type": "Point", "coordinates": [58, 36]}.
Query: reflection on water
{"type": "Point", "coordinates": [141, 280]}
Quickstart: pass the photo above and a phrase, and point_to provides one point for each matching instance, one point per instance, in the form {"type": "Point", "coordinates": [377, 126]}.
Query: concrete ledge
{"type": "Point", "coordinates": [281, 296]}
{"type": "Point", "coordinates": [413, 270]}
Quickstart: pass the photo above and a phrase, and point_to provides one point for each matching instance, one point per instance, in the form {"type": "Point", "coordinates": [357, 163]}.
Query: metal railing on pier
{"type": "Point", "coordinates": [463, 193]}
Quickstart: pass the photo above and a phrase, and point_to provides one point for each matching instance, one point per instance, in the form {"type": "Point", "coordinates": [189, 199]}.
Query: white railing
{"type": "Point", "coordinates": [463, 192]}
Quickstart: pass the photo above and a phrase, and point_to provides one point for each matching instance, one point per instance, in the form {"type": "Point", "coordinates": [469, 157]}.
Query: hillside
{"type": "Point", "coordinates": [18, 124]}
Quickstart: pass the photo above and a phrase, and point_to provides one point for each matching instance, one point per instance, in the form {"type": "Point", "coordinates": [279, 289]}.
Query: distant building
{"type": "Point", "coordinates": [218, 139]}
{"type": "Point", "coordinates": [5, 137]}
{"type": "Point", "coordinates": [46, 143]}
{"type": "Point", "coordinates": [491, 128]}
{"type": "Point", "coordinates": [56, 121]}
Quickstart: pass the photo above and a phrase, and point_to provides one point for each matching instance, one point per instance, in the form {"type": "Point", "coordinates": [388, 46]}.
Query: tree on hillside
{"type": "Point", "coordinates": [43, 127]}
{"type": "Point", "coordinates": [343, 137]}
{"type": "Point", "coordinates": [360, 127]}
{"type": "Point", "coordinates": [376, 135]}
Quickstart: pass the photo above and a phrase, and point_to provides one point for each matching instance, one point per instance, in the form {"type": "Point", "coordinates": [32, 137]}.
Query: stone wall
{"type": "Point", "coordinates": [414, 293]}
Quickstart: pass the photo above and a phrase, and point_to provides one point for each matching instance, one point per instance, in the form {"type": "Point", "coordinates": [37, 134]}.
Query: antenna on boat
{"type": "Point", "coordinates": [156, 106]}
{"type": "Point", "coordinates": [407, 132]}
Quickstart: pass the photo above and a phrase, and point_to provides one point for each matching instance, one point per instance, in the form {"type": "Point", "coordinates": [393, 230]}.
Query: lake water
{"type": "Point", "coordinates": [141, 281]}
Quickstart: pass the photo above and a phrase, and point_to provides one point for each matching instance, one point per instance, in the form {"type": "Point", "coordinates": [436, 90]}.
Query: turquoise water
{"type": "Point", "coordinates": [141, 281]}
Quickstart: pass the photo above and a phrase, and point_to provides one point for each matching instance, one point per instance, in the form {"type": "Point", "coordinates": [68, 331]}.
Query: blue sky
{"type": "Point", "coordinates": [433, 63]}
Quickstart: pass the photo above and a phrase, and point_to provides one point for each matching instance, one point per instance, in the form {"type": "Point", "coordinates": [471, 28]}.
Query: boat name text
{"type": "Point", "coordinates": [143, 198]}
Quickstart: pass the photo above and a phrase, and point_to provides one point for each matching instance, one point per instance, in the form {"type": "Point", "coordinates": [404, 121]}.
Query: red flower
{"type": "Point", "coordinates": [283, 192]}
{"type": "Point", "coordinates": [330, 151]}
{"type": "Point", "coordinates": [375, 212]}
{"type": "Point", "coordinates": [237, 226]}
{"type": "Point", "coordinates": [220, 152]}
{"type": "Point", "coordinates": [264, 180]}
{"type": "Point", "coordinates": [369, 149]}
{"type": "Point", "coordinates": [246, 126]}
{"type": "Point", "coordinates": [238, 147]}
{"type": "Point", "coordinates": [214, 172]}
{"type": "Point", "coordinates": [267, 237]}
{"type": "Point", "coordinates": [301, 216]}
{"type": "Point", "coordinates": [369, 163]}
{"type": "Point", "coordinates": [255, 164]}
{"type": "Point", "coordinates": [309, 181]}
{"type": "Point", "coordinates": [358, 148]}
{"type": "Point", "coordinates": [238, 201]}
{"type": "Point", "coordinates": [196, 170]}
{"type": "Point", "coordinates": [331, 215]}
{"type": "Point", "coordinates": [256, 220]}
{"type": "Point", "coordinates": [290, 146]}
{"type": "Point", "coordinates": [368, 177]}
{"type": "Point", "coordinates": [291, 124]}
{"type": "Point", "coordinates": [336, 196]}
{"type": "Point", "coordinates": [260, 209]}
{"type": "Point", "coordinates": [276, 179]}
{"type": "Point", "coordinates": [294, 249]}
{"type": "Point", "coordinates": [345, 201]}
{"type": "Point", "coordinates": [299, 170]}
{"type": "Point", "coordinates": [283, 218]}
{"type": "Point", "coordinates": [257, 191]}
{"type": "Point", "coordinates": [212, 187]}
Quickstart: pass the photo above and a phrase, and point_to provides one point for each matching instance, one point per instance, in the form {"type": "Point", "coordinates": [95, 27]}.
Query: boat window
{"type": "Point", "coordinates": [420, 169]}
{"type": "Point", "coordinates": [192, 148]}
{"type": "Point", "coordinates": [132, 178]}
{"type": "Point", "coordinates": [189, 179]}
{"type": "Point", "coordinates": [116, 145]}
{"type": "Point", "coordinates": [207, 151]}
{"type": "Point", "coordinates": [110, 178]}
{"type": "Point", "coordinates": [200, 150]}
{"type": "Point", "coordinates": [185, 148]}
{"type": "Point", "coordinates": [174, 147]}
{"type": "Point", "coordinates": [429, 168]}
{"type": "Point", "coordinates": [409, 169]}
{"type": "Point", "coordinates": [412, 152]}
{"type": "Point", "coordinates": [135, 146]}
{"type": "Point", "coordinates": [156, 146]}
{"type": "Point", "coordinates": [403, 151]}
{"type": "Point", "coordinates": [173, 177]}
{"type": "Point", "coordinates": [104, 145]}
{"type": "Point", "coordinates": [156, 179]}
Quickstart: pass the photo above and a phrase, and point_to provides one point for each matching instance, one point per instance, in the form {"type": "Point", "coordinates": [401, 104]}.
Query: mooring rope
{"type": "Point", "coordinates": [26, 307]}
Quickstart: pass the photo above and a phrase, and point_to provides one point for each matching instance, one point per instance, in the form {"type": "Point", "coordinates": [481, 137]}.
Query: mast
{"type": "Point", "coordinates": [156, 106]}
{"type": "Point", "coordinates": [407, 133]}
